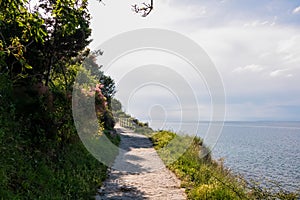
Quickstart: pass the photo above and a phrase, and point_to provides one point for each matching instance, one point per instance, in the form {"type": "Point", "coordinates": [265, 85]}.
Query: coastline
{"type": "Point", "coordinates": [219, 181]}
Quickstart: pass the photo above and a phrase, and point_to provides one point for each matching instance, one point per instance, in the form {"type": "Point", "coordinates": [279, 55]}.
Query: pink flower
{"type": "Point", "coordinates": [98, 90]}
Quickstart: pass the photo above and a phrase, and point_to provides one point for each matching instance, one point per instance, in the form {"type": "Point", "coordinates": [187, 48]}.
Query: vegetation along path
{"type": "Point", "coordinates": [139, 173]}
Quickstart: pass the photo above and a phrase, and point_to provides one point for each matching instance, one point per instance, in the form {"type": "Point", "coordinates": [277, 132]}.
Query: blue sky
{"type": "Point", "coordinates": [254, 44]}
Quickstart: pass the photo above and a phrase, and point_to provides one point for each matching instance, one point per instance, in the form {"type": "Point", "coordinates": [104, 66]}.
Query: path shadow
{"type": "Point", "coordinates": [126, 161]}
{"type": "Point", "coordinates": [135, 141]}
{"type": "Point", "coordinates": [118, 191]}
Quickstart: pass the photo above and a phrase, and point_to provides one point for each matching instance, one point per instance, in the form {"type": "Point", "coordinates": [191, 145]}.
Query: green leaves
{"type": "Point", "coordinates": [37, 41]}
{"type": "Point", "coordinates": [27, 66]}
{"type": "Point", "coordinates": [39, 59]}
{"type": "Point", "coordinates": [19, 28]}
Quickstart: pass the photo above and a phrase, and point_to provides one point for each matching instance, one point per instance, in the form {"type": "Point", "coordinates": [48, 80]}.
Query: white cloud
{"type": "Point", "coordinates": [296, 10]}
{"type": "Point", "coordinates": [271, 49]}
{"type": "Point", "coordinates": [231, 46]}
{"type": "Point", "coordinates": [259, 23]}
{"type": "Point", "coordinates": [281, 73]}
{"type": "Point", "coordinates": [289, 49]}
{"type": "Point", "coordinates": [277, 73]}
{"type": "Point", "coordinates": [271, 74]}
{"type": "Point", "coordinates": [249, 68]}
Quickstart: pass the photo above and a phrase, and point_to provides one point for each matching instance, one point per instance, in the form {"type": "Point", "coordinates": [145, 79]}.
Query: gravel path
{"type": "Point", "coordinates": [139, 173]}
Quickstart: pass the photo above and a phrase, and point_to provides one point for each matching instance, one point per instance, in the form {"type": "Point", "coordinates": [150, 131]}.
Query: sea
{"type": "Point", "coordinates": [265, 152]}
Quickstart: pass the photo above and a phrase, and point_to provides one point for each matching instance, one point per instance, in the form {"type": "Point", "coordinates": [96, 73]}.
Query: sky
{"type": "Point", "coordinates": [253, 44]}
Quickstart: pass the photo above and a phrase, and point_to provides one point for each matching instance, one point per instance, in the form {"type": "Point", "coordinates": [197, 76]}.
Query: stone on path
{"type": "Point", "coordinates": [139, 173]}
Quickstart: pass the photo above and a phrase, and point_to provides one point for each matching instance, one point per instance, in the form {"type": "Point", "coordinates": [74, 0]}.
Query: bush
{"type": "Point", "coordinates": [36, 165]}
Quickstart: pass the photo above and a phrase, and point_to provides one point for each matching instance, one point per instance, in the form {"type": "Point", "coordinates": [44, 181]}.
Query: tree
{"type": "Point", "coordinates": [38, 51]}
{"type": "Point", "coordinates": [116, 105]}
{"type": "Point", "coordinates": [108, 89]}
{"type": "Point", "coordinates": [36, 43]}
{"type": "Point", "coordinates": [41, 50]}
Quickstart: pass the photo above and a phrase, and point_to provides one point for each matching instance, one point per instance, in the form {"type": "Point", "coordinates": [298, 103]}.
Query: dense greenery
{"type": "Point", "coordinates": [204, 178]}
{"type": "Point", "coordinates": [35, 166]}
{"type": "Point", "coordinates": [41, 50]}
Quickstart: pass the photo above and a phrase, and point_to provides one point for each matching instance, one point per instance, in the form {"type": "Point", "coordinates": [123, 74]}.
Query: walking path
{"type": "Point", "coordinates": [139, 173]}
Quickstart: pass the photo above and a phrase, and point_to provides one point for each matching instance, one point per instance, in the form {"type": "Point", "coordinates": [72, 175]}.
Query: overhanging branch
{"type": "Point", "coordinates": [145, 9]}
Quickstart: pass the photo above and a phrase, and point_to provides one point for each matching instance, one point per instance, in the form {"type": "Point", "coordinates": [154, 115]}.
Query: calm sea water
{"type": "Point", "coordinates": [262, 151]}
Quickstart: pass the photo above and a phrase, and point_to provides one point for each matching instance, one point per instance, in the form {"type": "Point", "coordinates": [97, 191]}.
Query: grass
{"type": "Point", "coordinates": [47, 170]}
{"type": "Point", "coordinates": [38, 163]}
{"type": "Point", "coordinates": [204, 178]}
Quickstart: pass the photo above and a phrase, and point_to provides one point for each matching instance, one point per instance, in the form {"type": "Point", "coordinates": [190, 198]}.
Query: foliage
{"type": "Point", "coordinates": [105, 91]}
{"type": "Point", "coordinates": [37, 42]}
{"type": "Point", "coordinates": [51, 172]}
{"type": "Point", "coordinates": [37, 46]}
{"type": "Point", "coordinates": [108, 89]}
{"type": "Point", "coordinates": [162, 138]}
{"type": "Point", "coordinates": [204, 178]}
{"type": "Point", "coordinates": [43, 167]}
{"type": "Point", "coordinates": [116, 105]}
{"type": "Point", "coordinates": [41, 52]}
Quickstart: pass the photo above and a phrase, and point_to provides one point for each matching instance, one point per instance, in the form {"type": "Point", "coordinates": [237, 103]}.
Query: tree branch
{"type": "Point", "coordinates": [145, 9]}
